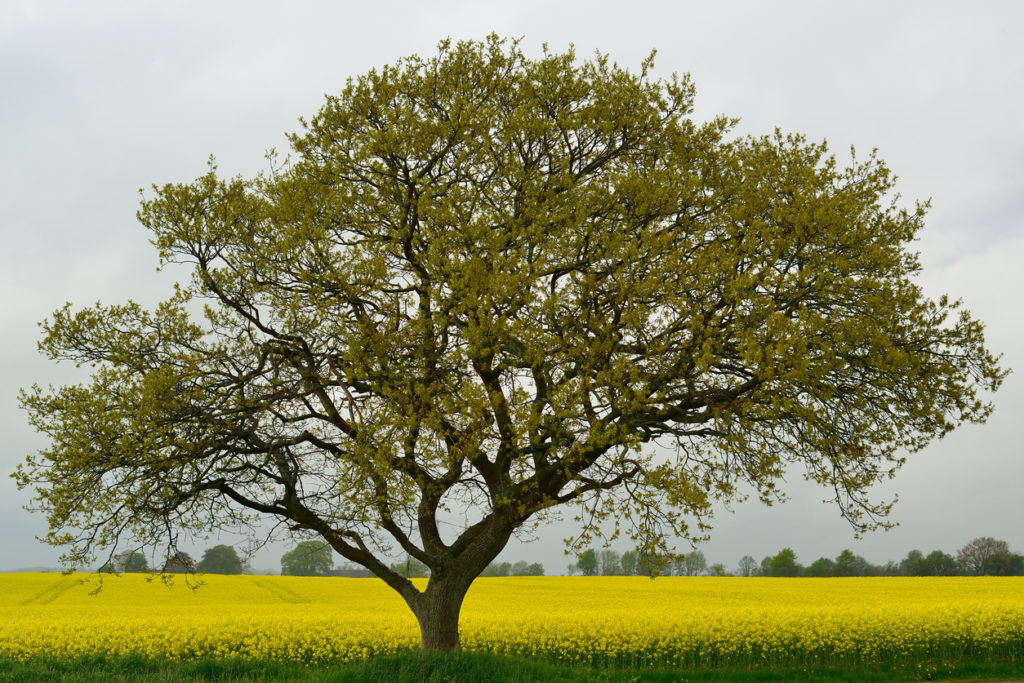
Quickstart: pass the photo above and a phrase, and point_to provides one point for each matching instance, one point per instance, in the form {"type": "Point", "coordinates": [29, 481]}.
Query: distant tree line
{"type": "Point", "coordinates": [985, 556]}
{"type": "Point", "coordinates": [220, 559]}
{"type": "Point", "coordinates": [520, 568]}
{"type": "Point", "coordinates": [609, 562]}
{"type": "Point", "coordinates": [982, 556]}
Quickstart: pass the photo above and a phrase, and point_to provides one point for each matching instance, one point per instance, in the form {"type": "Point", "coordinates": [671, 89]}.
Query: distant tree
{"type": "Point", "coordinates": [1005, 564]}
{"type": "Point", "coordinates": [131, 562]}
{"type": "Point", "coordinates": [179, 563]}
{"type": "Point", "coordinates": [653, 564]}
{"type": "Point", "coordinates": [572, 569]}
{"type": "Point", "coordinates": [912, 564]}
{"type": "Point", "coordinates": [693, 564]}
{"type": "Point", "coordinates": [221, 559]}
{"type": "Point", "coordinates": [345, 569]}
{"type": "Point", "coordinates": [821, 567]}
{"type": "Point", "coordinates": [717, 569]}
{"type": "Point", "coordinates": [588, 562]}
{"type": "Point", "coordinates": [410, 568]}
{"type": "Point", "coordinates": [850, 564]}
{"type": "Point", "coordinates": [308, 558]}
{"type": "Point", "coordinates": [784, 564]}
{"type": "Point", "coordinates": [978, 556]}
{"type": "Point", "coordinates": [989, 556]}
{"type": "Point", "coordinates": [765, 568]}
{"type": "Point", "coordinates": [629, 561]}
{"type": "Point", "coordinates": [748, 566]}
{"type": "Point", "coordinates": [938, 563]}
{"type": "Point", "coordinates": [524, 568]}
{"type": "Point", "coordinates": [890, 568]}
{"type": "Point", "coordinates": [610, 561]}
{"type": "Point", "coordinates": [497, 569]}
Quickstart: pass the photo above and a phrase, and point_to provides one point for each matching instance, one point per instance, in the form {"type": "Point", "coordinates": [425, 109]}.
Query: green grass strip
{"type": "Point", "coordinates": [470, 667]}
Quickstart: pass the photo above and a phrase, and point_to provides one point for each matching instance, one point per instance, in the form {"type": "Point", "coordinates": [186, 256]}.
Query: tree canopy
{"type": "Point", "coordinates": [220, 559]}
{"type": "Point", "coordinates": [130, 562]}
{"type": "Point", "coordinates": [987, 555]}
{"type": "Point", "coordinates": [783, 564]}
{"type": "Point", "coordinates": [179, 563]}
{"type": "Point", "coordinates": [308, 558]}
{"type": "Point", "coordinates": [477, 287]}
{"type": "Point", "coordinates": [691, 564]}
{"type": "Point", "coordinates": [587, 562]}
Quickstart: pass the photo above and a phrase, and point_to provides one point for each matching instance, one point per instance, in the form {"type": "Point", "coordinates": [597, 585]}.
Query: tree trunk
{"type": "Point", "coordinates": [437, 610]}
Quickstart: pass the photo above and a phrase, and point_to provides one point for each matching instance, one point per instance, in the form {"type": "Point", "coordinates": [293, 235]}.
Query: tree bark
{"type": "Point", "coordinates": [438, 607]}
{"type": "Point", "coordinates": [437, 611]}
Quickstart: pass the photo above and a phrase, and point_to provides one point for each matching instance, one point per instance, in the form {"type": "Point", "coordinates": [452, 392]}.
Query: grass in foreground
{"type": "Point", "coordinates": [444, 668]}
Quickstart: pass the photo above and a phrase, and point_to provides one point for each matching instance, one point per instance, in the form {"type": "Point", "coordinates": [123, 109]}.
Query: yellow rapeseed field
{"type": "Point", "coordinates": [616, 620]}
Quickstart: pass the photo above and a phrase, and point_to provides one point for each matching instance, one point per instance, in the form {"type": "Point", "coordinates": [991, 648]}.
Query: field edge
{"type": "Point", "coordinates": [435, 667]}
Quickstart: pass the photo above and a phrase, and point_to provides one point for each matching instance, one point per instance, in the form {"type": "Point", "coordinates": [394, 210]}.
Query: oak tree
{"type": "Point", "coordinates": [480, 287]}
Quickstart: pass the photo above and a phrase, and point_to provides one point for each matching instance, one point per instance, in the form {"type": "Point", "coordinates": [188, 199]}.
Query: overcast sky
{"type": "Point", "coordinates": [99, 99]}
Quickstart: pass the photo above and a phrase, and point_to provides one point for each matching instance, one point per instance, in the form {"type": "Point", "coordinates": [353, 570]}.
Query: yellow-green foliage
{"type": "Point", "coordinates": [617, 620]}
{"type": "Point", "coordinates": [484, 281]}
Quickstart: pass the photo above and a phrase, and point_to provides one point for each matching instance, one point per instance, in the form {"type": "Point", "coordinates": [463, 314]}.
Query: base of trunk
{"type": "Point", "coordinates": [439, 637]}
{"type": "Point", "coordinates": [437, 612]}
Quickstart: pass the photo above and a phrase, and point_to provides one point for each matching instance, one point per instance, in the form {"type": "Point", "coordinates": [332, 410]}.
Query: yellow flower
{"type": "Point", "coordinates": [616, 620]}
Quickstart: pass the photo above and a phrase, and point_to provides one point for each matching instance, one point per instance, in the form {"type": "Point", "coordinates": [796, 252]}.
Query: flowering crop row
{"type": "Point", "coordinates": [615, 620]}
